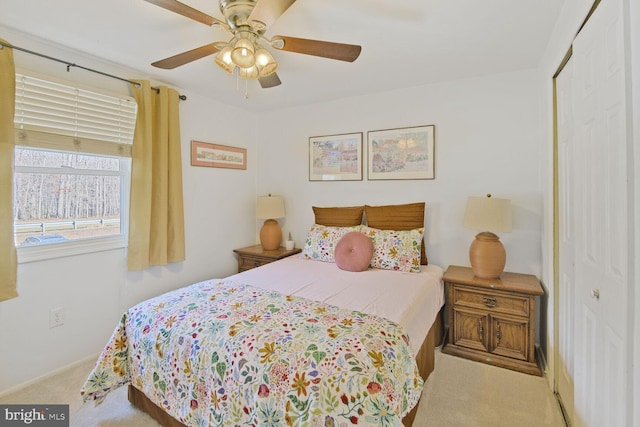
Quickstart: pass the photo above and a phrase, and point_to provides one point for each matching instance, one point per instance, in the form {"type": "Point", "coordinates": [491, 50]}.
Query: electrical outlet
{"type": "Point", "coordinates": [56, 317]}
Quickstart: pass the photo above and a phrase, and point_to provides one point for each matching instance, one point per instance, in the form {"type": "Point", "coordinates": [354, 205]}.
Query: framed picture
{"type": "Point", "coordinates": [403, 153]}
{"type": "Point", "coordinates": [335, 157]}
{"type": "Point", "coordinates": [218, 156]}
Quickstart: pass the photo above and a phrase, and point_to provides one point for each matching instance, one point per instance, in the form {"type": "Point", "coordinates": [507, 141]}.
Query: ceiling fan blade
{"type": "Point", "coordinates": [188, 11]}
{"type": "Point", "coordinates": [270, 81]}
{"type": "Point", "coordinates": [186, 57]}
{"type": "Point", "coordinates": [267, 11]}
{"type": "Point", "coordinates": [339, 51]}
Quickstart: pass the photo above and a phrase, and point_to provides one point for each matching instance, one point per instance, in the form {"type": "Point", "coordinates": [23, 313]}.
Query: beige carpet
{"type": "Point", "coordinates": [458, 393]}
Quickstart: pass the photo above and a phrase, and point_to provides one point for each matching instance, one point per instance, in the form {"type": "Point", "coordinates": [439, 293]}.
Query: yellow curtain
{"type": "Point", "coordinates": [8, 257]}
{"type": "Point", "coordinates": [156, 216]}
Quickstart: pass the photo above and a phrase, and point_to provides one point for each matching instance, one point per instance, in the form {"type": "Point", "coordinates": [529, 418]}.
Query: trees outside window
{"type": "Point", "coordinates": [64, 196]}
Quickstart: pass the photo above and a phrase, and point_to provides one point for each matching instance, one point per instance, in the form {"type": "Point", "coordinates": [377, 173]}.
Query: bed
{"type": "Point", "coordinates": [296, 342]}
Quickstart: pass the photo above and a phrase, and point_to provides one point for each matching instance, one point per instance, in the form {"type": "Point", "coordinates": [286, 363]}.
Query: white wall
{"type": "Point", "coordinates": [634, 20]}
{"type": "Point", "coordinates": [95, 289]}
{"type": "Point", "coordinates": [487, 141]}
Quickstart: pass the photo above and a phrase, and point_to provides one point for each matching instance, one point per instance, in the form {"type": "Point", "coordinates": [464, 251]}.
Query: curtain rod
{"type": "Point", "coordinates": [71, 64]}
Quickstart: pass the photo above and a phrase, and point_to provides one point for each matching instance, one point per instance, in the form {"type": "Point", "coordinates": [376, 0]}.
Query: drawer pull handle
{"type": "Point", "coordinates": [498, 333]}
{"type": "Point", "coordinates": [480, 330]}
{"type": "Point", "coordinates": [489, 301]}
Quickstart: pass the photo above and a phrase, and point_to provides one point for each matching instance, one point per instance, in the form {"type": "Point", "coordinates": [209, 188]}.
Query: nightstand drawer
{"type": "Point", "coordinates": [492, 301]}
{"type": "Point", "coordinates": [255, 256]}
{"type": "Point", "coordinates": [247, 263]}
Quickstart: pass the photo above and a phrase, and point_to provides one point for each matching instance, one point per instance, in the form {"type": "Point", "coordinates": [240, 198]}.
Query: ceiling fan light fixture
{"type": "Point", "coordinates": [243, 53]}
{"type": "Point", "coordinates": [223, 59]}
{"type": "Point", "coordinates": [243, 56]}
{"type": "Point", "coordinates": [264, 62]}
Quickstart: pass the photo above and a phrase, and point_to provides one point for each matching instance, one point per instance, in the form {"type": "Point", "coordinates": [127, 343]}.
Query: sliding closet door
{"type": "Point", "coordinates": [600, 212]}
{"type": "Point", "coordinates": [566, 238]}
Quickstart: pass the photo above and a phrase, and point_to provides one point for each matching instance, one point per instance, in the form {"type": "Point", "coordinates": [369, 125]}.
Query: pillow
{"type": "Point", "coordinates": [354, 252]}
{"type": "Point", "coordinates": [322, 240]}
{"type": "Point", "coordinates": [397, 250]}
{"type": "Point", "coordinates": [398, 217]}
{"type": "Point", "coordinates": [339, 217]}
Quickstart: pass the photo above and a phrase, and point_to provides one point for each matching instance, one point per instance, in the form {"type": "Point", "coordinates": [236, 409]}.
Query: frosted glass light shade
{"type": "Point", "coordinates": [265, 62]}
{"type": "Point", "coordinates": [243, 54]}
{"type": "Point", "coordinates": [249, 73]}
{"type": "Point", "coordinates": [223, 59]}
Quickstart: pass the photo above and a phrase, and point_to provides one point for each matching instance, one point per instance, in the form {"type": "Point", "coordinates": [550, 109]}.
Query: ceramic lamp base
{"type": "Point", "coordinates": [270, 235]}
{"type": "Point", "coordinates": [487, 256]}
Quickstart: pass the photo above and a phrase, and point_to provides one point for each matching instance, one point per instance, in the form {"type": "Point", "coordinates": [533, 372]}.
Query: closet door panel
{"type": "Point", "coordinates": [601, 219]}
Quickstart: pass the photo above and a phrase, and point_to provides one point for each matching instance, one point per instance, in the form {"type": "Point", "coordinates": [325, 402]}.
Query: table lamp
{"type": "Point", "coordinates": [489, 215]}
{"type": "Point", "coordinates": [268, 208]}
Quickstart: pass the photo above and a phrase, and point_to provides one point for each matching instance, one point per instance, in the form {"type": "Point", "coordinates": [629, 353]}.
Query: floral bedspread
{"type": "Point", "coordinates": [220, 353]}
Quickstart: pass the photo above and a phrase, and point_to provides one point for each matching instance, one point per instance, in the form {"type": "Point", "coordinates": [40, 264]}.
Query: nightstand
{"type": "Point", "coordinates": [493, 320]}
{"type": "Point", "coordinates": [254, 256]}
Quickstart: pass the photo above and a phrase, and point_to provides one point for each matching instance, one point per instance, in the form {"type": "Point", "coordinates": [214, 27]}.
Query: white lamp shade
{"type": "Point", "coordinates": [488, 214]}
{"type": "Point", "coordinates": [270, 207]}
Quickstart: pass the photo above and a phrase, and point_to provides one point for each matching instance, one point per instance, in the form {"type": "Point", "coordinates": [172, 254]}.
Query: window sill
{"type": "Point", "coordinates": [75, 247]}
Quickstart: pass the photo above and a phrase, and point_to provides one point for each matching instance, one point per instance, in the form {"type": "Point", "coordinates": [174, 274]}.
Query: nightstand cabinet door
{"type": "Point", "coordinates": [510, 337]}
{"type": "Point", "coordinates": [471, 329]}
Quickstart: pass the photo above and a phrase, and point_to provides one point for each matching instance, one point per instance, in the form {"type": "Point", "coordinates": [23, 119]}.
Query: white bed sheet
{"type": "Point", "coordinates": [412, 300]}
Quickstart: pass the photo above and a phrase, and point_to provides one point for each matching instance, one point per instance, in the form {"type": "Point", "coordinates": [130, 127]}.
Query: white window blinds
{"type": "Point", "coordinates": [57, 116]}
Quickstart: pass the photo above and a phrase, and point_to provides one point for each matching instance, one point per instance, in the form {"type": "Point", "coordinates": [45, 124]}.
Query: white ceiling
{"type": "Point", "coordinates": [404, 44]}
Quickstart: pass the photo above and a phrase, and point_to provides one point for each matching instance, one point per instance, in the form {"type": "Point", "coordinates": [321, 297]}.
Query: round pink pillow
{"type": "Point", "coordinates": [353, 252]}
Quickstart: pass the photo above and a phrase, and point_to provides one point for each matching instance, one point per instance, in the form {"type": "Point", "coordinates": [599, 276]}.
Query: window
{"type": "Point", "coordinates": [72, 164]}
{"type": "Point", "coordinates": [61, 196]}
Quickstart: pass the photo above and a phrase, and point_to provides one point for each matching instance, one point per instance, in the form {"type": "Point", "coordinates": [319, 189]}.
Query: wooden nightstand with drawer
{"type": "Point", "coordinates": [493, 320]}
{"type": "Point", "coordinates": [254, 256]}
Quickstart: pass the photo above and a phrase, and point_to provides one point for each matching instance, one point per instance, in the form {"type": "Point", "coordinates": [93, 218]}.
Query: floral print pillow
{"type": "Point", "coordinates": [322, 240]}
{"type": "Point", "coordinates": [395, 250]}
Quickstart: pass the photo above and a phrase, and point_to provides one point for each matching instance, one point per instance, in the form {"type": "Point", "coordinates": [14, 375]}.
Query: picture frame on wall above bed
{"type": "Point", "coordinates": [401, 153]}
{"type": "Point", "coordinates": [335, 157]}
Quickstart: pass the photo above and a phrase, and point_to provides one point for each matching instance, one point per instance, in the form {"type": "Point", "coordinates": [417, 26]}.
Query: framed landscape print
{"type": "Point", "coordinates": [403, 153]}
{"type": "Point", "coordinates": [335, 157]}
{"type": "Point", "coordinates": [218, 156]}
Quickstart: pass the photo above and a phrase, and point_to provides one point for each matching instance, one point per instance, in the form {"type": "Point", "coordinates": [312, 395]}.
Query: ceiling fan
{"type": "Point", "coordinates": [247, 21]}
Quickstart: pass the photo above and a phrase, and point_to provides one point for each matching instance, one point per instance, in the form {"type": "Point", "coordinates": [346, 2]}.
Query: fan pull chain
{"type": "Point", "coordinates": [236, 72]}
